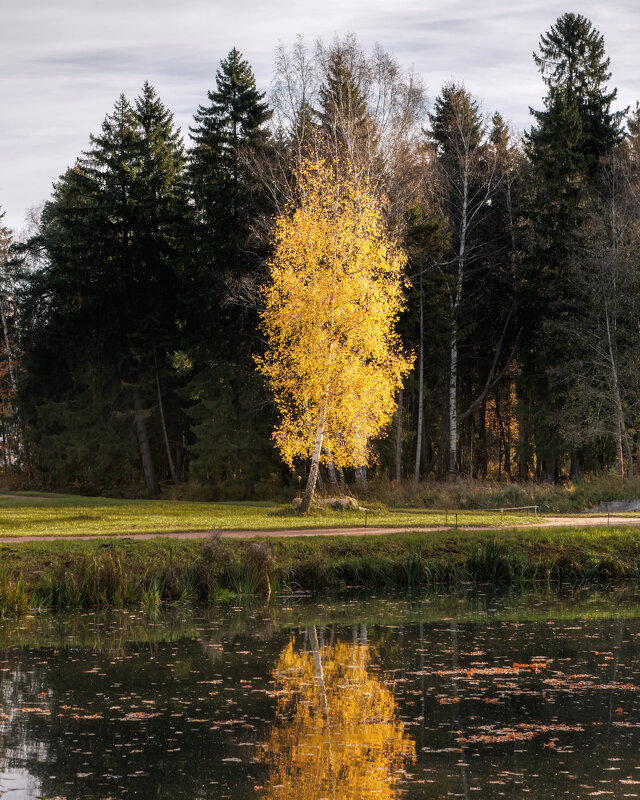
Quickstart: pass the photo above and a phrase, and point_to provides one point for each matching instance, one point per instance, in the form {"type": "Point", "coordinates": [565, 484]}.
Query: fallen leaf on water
{"type": "Point", "coordinates": [135, 715]}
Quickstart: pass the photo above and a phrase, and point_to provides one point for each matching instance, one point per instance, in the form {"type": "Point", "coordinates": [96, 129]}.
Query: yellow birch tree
{"type": "Point", "coordinates": [334, 362]}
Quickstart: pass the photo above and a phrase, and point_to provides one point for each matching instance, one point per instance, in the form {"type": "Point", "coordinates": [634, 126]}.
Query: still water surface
{"type": "Point", "coordinates": [466, 695]}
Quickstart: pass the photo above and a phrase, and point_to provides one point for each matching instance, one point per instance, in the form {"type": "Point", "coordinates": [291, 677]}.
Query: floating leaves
{"type": "Point", "coordinates": [521, 732]}
{"type": "Point", "coordinates": [475, 672]}
{"type": "Point", "coordinates": [136, 716]}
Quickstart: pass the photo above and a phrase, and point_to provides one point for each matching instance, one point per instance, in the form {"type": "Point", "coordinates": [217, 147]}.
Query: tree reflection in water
{"type": "Point", "coordinates": [337, 734]}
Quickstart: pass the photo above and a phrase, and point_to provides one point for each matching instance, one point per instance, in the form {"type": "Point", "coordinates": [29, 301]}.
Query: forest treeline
{"type": "Point", "coordinates": [130, 312]}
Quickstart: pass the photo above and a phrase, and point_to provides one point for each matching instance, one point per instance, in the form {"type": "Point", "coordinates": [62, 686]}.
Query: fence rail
{"type": "Point", "coordinates": [514, 508]}
{"type": "Point", "coordinates": [448, 512]}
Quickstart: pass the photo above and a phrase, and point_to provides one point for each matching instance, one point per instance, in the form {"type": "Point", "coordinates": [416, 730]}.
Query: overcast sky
{"type": "Point", "coordinates": [64, 62]}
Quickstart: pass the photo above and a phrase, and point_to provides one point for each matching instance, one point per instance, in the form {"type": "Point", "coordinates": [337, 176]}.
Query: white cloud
{"type": "Point", "coordinates": [63, 64]}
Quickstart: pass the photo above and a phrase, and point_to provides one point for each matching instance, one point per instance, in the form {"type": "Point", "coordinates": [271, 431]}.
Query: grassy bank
{"type": "Point", "coordinates": [428, 504]}
{"type": "Point", "coordinates": [130, 573]}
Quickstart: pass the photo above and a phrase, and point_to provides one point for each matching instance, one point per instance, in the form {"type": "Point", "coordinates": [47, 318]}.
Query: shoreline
{"type": "Point", "coordinates": [124, 572]}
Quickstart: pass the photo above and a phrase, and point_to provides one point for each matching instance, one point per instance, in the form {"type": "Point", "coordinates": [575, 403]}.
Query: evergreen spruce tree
{"type": "Point", "coordinates": [342, 109]}
{"type": "Point", "coordinates": [573, 131]}
{"type": "Point", "coordinates": [226, 401]}
{"type": "Point", "coordinates": [490, 318]}
{"type": "Point", "coordinates": [348, 132]}
{"type": "Point", "coordinates": [469, 177]}
{"type": "Point", "coordinates": [633, 128]}
{"type": "Point", "coordinates": [574, 67]}
{"type": "Point", "coordinates": [102, 313]}
{"type": "Point", "coordinates": [219, 179]}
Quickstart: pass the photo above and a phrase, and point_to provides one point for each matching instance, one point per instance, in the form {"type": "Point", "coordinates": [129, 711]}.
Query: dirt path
{"type": "Point", "coordinates": [544, 522]}
{"type": "Point", "coordinates": [585, 520]}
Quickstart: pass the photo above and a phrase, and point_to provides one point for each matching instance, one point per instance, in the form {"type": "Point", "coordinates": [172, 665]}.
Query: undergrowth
{"type": "Point", "coordinates": [470, 494]}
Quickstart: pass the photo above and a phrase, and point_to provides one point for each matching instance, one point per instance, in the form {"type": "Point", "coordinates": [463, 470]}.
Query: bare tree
{"type": "Point", "coordinates": [357, 111]}
{"type": "Point", "coordinates": [10, 427]}
{"type": "Point", "coordinates": [599, 379]}
{"type": "Point", "coordinates": [5, 300]}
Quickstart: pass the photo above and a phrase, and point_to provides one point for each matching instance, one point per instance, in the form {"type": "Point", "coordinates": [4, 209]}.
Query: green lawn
{"type": "Point", "coordinates": [53, 515]}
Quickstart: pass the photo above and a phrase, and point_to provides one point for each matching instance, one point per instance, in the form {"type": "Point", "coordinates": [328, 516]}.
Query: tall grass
{"type": "Point", "coordinates": [15, 594]}
{"type": "Point", "coordinates": [471, 494]}
{"type": "Point", "coordinates": [148, 574]}
{"type": "Point", "coordinates": [494, 563]}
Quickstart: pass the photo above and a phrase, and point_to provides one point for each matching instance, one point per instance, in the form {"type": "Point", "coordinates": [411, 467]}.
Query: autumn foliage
{"type": "Point", "coordinates": [333, 360]}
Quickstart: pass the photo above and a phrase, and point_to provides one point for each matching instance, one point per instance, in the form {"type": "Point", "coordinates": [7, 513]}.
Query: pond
{"type": "Point", "coordinates": [460, 694]}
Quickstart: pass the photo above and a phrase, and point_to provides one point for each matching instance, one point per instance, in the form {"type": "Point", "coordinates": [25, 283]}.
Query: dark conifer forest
{"type": "Point", "coordinates": [131, 311]}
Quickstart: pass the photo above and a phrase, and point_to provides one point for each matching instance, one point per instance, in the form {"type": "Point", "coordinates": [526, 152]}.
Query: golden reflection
{"type": "Point", "coordinates": [337, 735]}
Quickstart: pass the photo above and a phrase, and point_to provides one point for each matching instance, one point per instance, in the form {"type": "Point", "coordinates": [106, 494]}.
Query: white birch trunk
{"type": "Point", "coordinates": [399, 440]}
{"type": "Point", "coordinates": [7, 344]}
{"type": "Point", "coordinates": [455, 305]}
{"type": "Point", "coordinates": [315, 462]}
{"type": "Point", "coordinates": [416, 474]}
{"type": "Point", "coordinates": [453, 415]}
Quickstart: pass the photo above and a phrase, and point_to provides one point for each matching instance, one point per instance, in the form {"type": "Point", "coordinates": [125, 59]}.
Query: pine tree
{"type": "Point", "coordinates": [225, 393]}
{"type": "Point", "coordinates": [469, 175]}
{"type": "Point", "coordinates": [633, 127]}
{"type": "Point", "coordinates": [342, 107]}
{"type": "Point", "coordinates": [223, 195]}
{"type": "Point", "coordinates": [489, 319]}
